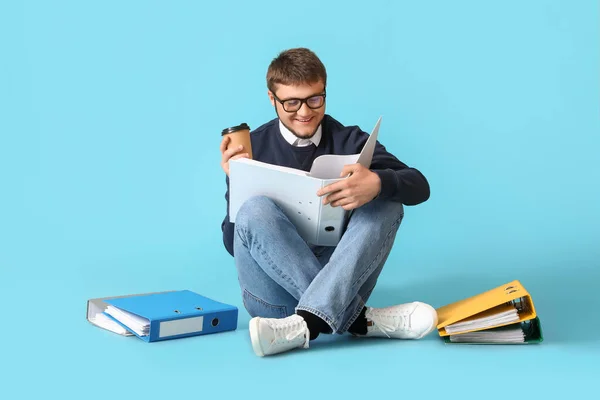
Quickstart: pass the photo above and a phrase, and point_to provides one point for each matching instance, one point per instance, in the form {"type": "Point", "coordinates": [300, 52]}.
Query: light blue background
{"type": "Point", "coordinates": [110, 114]}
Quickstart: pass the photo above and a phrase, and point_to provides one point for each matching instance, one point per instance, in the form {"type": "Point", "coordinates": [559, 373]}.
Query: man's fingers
{"type": "Point", "coordinates": [224, 144]}
{"type": "Point", "coordinates": [245, 155]}
{"type": "Point", "coordinates": [350, 206]}
{"type": "Point", "coordinates": [346, 171]}
{"type": "Point", "coordinates": [349, 169]}
{"type": "Point", "coordinates": [342, 202]}
{"type": "Point", "coordinates": [231, 152]}
{"type": "Point", "coordinates": [335, 197]}
{"type": "Point", "coordinates": [334, 187]}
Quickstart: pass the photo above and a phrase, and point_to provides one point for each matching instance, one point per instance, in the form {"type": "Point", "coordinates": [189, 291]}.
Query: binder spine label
{"type": "Point", "coordinates": [181, 326]}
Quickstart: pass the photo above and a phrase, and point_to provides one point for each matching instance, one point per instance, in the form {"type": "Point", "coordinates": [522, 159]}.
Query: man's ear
{"type": "Point", "coordinates": [271, 98]}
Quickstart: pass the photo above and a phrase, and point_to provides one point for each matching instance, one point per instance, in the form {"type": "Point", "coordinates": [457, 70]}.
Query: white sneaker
{"type": "Point", "coordinates": [405, 321]}
{"type": "Point", "coordinates": [276, 335]}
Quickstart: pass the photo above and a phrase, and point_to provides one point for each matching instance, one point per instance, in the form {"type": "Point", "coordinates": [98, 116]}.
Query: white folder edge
{"type": "Point", "coordinates": [96, 308]}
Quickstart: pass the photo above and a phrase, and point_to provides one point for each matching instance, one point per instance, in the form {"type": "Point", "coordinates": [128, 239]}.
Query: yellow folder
{"type": "Point", "coordinates": [504, 305]}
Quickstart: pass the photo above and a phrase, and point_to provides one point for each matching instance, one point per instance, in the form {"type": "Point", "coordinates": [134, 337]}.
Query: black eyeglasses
{"type": "Point", "coordinates": [292, 105]}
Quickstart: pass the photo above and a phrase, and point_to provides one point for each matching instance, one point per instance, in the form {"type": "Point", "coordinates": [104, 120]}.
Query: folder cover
{"type": "Point", "coordinates": [164, 315]}
{"type": "Point", "coordinates": [505, 314]}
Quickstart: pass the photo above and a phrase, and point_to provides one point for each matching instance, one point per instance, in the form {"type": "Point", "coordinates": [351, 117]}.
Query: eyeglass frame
{"type": "Point", "coordinates": [302, 101]}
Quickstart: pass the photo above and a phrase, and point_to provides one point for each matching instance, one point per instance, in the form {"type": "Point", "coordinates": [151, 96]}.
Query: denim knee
{"type": "Point", "coordinates": [376, 219]}
{"type": "Point", "coordinates": [256, 208]}
{"type": "Point", "coordinates": [379, 212]}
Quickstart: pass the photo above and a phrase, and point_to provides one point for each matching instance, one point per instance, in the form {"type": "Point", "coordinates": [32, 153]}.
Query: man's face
{"type": "Point", "coordinates": [302, 122]}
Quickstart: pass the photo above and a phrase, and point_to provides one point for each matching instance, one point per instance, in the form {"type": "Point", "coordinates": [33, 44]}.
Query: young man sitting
{"type": "Point", "coordinates": [295, 290]}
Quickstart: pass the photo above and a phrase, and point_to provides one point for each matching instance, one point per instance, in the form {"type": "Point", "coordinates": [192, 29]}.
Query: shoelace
{"type": "Point", "coordinates": [390, 323]}
{"type": "Point", "coordinates": [290, 330]}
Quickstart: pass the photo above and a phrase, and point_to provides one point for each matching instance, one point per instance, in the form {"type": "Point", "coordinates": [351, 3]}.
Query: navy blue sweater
{"type": "Point", "coordinates": [398, 181]}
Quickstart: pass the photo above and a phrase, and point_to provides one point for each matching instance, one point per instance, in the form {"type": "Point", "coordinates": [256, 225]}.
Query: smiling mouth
{"type": "Point", "coordinates": [304, 121]}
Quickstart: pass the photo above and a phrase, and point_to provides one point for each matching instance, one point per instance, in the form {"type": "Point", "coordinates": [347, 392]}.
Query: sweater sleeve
{"type": "Point", "coordinates": [399, 182]}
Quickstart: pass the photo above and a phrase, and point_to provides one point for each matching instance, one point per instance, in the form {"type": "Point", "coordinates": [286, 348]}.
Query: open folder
{"type": "Point", "coordinates": [295, 190]}
{"type": "Point", "coordinates": [505, 314]}
{"type": "Point", "coordinates": [163, 315]}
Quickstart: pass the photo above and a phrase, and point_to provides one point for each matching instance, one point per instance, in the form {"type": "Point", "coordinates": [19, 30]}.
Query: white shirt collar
{"type": "Point", "coordinates": [294, 141]}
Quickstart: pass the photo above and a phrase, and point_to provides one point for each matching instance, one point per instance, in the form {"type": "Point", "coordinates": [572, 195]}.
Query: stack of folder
{"type": "Point", "coordinates": [163, 315]}
{"type": "Point", "coordinates": [503, 315]}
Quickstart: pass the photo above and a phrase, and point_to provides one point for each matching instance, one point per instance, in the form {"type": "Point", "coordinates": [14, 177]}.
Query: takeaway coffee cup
{"type": "Point", "coordinates": [240, 135]}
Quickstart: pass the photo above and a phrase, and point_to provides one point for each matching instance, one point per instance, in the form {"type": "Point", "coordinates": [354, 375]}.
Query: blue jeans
{"type": "Point", "coordinates": [279, 273]}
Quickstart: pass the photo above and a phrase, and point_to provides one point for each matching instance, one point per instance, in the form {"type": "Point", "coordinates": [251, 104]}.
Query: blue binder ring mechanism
{"type": "Point", "coordinates": [163, 315]}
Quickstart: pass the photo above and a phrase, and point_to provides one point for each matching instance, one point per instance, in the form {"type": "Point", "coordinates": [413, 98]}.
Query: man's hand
{"type": "Point", "coordinates": [231, 154]}
{"type": "Point", "coordinates": [361, 187]}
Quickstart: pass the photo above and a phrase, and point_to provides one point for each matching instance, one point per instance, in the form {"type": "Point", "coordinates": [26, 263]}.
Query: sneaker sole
{"type": "Point", "coordinates": [254, 337]}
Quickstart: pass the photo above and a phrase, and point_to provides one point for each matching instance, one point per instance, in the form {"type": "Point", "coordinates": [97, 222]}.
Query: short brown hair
{"type": "Point", "coordinates": [295, 67]}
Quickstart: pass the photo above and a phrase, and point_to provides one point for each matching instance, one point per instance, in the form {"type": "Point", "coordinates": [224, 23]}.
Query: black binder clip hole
{"type": "Point", "coordinates": [215, 322]}
{"type": "Point", "coordinates": [329, 228]}
{"type": "Point", "coordinates": [199, 308]}
{"type": "Point", "coordinates": [177, 311]}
